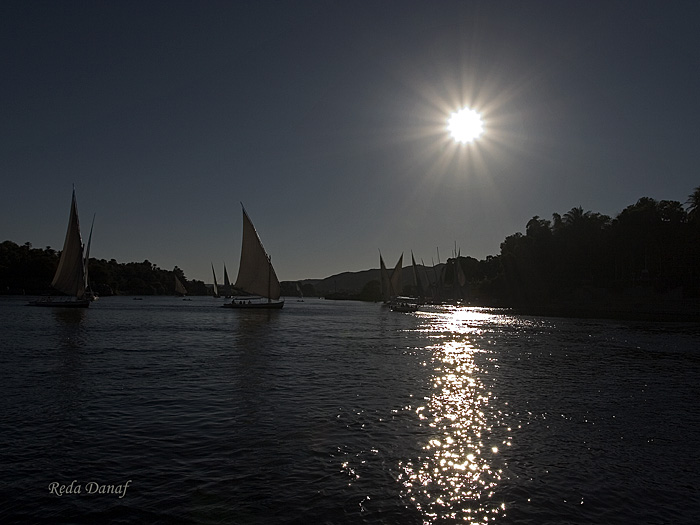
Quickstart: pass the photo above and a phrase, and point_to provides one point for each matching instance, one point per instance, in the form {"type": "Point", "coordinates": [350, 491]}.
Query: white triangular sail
{"type": "Point", "coordinates": [396, 282]}
{"type": "Point", "coordinates": [416, 278]}
{"type": "Point", "coordinates": [384, 279]}
{"type": "Point", "coordinates": [88, 291]}
{"type": "Point", "coordinates": [179, 287]}
{"type": "Point", "coordinates": [71, 274]}
{"type": "Point", "coordinates": [216, 286]}
{"type": "Point", "coordinates": [227, 284]}
{"type": "Point", "coordinates": [256, 275]}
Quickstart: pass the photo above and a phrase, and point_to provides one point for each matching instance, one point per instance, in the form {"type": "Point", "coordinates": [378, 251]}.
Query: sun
{"type": "Point", "coordinates": [465, 125]}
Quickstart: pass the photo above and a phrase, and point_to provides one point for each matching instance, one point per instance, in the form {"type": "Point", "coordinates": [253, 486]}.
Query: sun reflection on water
{"type": "Point", "coordinates": [456, 475]}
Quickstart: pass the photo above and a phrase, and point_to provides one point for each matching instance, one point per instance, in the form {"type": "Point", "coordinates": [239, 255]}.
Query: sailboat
{"type": "Point", "coordinates": [256, 276]}
{"type": "Point", "coordinates": [71, 276]}
{"type": "Point", "coordinates": [216, 286]}
{"type": "Point", "coordinates": [180, 289]}
{"type": "Point", "coordinates": [384, 280]}
{"type": "Point", "coordinates": [89, 293]}
{"type": "Point", "coordinates": [396, 281]}
{"type": "Point", "coordinates": [227, 284]}
{"type": "Point", "coordinates": [416, 279]}
{"type": "Point", "coordinates": [390, 284]}
{"type": "Point", "coordinates": [405, 303]}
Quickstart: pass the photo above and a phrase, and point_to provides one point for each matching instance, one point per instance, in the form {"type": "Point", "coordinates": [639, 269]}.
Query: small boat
{"type": "Point", "coordinates": [256, 279]}
{"type": "Point", "coordinates": [404, 304]}
{"type": "Point", "coordinates": [71, 276]}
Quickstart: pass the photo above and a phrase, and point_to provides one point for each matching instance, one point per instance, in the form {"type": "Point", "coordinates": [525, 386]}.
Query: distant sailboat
{"type": "Point", "coordinates": [180, 289]}
{"type": "Point", "coordinates": [71, 276]}
{"type": "Point", "coordinates": [384, 280]}
{"type": "Point", "coordinates": [301, 294]}
{"type": "Point", "coordinates": [216, 286]}
{"type": "Point", "coordinates": [89, 294]}
{"type": "Point", "coordinates": [404, 303]}
{"type": "Point", "coordinates": [416, 279]}
{"type": "Point", "coordinates": [227, 284]}
{"type": "Point", "coordinates": [390, 284]}
{"type": "Point", "coordinates": [396, 278]}
{"type": "Point", "coordinates": [256, 276]}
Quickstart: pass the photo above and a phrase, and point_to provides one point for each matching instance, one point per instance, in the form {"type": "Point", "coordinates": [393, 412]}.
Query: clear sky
{"type": "Point", "coordinates": [328, 119]}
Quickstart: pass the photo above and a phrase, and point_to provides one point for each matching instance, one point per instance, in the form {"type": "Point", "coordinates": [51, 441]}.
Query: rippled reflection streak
{"type": "Point", "coordinates": [453, 479]}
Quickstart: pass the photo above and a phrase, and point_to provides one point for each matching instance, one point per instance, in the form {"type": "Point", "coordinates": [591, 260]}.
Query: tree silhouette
{"type": "Point", "coordinates": [694, 205]}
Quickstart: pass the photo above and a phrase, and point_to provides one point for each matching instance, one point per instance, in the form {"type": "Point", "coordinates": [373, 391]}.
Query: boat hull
{"type": "Point", "coordinates": [404, 304]}
{"type": "Point", "coordinates": [254, 304]}
{"type": "Point", "coordinates": [404, 308]}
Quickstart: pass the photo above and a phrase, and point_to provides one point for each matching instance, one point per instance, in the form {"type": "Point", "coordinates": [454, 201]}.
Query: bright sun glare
{"type": "Point", "coordinates": [465, 125]}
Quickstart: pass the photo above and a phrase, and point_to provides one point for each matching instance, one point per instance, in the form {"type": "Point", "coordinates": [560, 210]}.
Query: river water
{"type": "Point", "coordinates": [169, 411]}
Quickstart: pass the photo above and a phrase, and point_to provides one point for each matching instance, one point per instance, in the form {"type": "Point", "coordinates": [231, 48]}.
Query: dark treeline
{"type": "Point", "coordinates": [650, 249]}
{"type": "Point", "coordinates": [582, 262]}
{"type": "Point", "coordinates": [24, 269]}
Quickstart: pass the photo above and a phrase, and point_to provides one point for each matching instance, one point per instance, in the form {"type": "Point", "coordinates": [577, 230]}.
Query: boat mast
{"type": "Point", "coordinates": [269, 278]}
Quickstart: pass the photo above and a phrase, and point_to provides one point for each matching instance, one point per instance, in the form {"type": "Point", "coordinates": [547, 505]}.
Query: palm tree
{"type": "Point", "coordinates": [575, 216]}
{"type": "Point", "coordinates": [694, 205]}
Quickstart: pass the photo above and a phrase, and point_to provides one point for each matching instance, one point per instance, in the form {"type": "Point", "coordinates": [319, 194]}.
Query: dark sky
{"type": "Point", "coordinates": [328, 121]}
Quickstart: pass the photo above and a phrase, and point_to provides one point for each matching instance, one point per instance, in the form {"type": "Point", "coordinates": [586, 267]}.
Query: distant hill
{"type": "Point", "coordinates": [354, 282]}
{"type": "Point", "coordinates": [347, 282]}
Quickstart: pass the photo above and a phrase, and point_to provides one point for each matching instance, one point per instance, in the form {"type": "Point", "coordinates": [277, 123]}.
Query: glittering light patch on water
{"type": "Point", "coordinates": [454, 478]}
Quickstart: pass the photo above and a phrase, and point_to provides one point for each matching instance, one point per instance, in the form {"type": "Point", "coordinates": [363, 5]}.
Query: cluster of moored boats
{"type": "Point", "coordinates": [393, 292]}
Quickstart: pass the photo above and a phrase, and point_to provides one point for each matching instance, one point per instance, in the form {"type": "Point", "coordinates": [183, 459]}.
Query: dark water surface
{"type": "Point", "coordinates": [171, 411]}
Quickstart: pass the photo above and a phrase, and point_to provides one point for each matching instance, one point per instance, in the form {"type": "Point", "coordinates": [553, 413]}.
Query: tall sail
{"type": "Point", "coordinates": [179, 287]}
{"type": "Point", "coordinates": [384, 279]}
{"type": "Point", "coordinates": [71, 273]}
{"type": "Point", "coordinates": [227, 284]}
{"type": "Point", "coordinates": [256, 275]}
{"type": "Point", "coordinates": [430, 286]}
{"type": "Point", "coordinates": [90, 294]}
{"type": "Point", "coordinates": [216, 286]}
{"type": "Point", "coordinates": [437, 288]}
{"type": "Point", "coordinates": [416, 277]}
{"type": "Point", "coordinates": [396, 280]}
